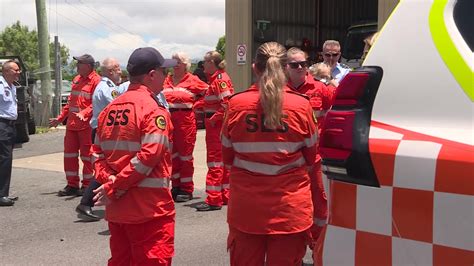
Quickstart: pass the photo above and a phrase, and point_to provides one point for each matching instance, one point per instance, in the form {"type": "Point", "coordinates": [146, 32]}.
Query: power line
{"type": "Point", "coordinates": [86, 28]}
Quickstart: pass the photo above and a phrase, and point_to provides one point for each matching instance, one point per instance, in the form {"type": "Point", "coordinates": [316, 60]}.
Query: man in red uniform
{"type": "Point", "coordinates": [301, 81]}
{"type": "Point", "coordinates": [132, 159]}
{"type": "Point", "coordinates": [215, 102]}
{"type": "Point", "coordinates": [78, 112]}
{"type": "Point", "coordinates": [182, 90]}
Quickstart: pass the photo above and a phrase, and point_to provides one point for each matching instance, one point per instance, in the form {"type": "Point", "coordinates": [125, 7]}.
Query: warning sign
{"type": "Point", "coordinates": [241, 54]}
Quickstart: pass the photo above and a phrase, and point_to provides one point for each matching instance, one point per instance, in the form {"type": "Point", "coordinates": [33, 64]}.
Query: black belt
{"type": "Point", "coordinates": [7, 121]}
{"type": "Point", "coordinates": [209, 115]}
{"type": "Point", "coordinates": [180, 109]}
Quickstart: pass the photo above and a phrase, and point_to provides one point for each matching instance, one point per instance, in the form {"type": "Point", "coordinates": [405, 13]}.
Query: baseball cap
{"type": "Point", "coordinates": [85, 59]}
{"type": "Point", "coordinates": [144, 59]}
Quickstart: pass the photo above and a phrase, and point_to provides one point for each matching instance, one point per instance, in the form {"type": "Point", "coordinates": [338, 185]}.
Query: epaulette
{"type": "Point", "coordinates": [110, 83]}
{"type": "Point", "coordinates": [219, 76]}
{"type": "Point", "coordinates": [299, 94]}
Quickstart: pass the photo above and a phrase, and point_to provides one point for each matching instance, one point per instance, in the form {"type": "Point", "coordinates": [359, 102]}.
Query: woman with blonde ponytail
{"type": "Point", "coordinates": [269, 139]}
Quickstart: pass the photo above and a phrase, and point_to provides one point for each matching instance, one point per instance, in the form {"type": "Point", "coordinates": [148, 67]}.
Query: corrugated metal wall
{"type": "Point", "coordinates": [317, 20]}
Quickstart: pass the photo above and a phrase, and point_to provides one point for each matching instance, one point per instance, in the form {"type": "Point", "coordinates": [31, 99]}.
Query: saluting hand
{"type": "Point", "coordinates": [81, 116]}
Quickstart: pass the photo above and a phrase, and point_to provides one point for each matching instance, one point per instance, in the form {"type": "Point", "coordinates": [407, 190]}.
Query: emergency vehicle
{"type": "Point", "coordinates": [397, 145]}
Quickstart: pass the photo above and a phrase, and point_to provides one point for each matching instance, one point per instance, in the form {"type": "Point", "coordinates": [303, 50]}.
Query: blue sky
{"type": "Point", "coordinates": [114, 28]}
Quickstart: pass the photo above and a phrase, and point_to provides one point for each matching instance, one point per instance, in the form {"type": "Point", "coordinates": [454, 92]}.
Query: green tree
{"type": "Point", "coordinates": [220, 47]}
{"type": "Point", "coordinates": [19, 40]}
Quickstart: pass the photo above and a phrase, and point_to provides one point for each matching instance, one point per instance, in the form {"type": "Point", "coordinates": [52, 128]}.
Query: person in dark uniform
{"type": "Point", "coordinates": [8, 114]}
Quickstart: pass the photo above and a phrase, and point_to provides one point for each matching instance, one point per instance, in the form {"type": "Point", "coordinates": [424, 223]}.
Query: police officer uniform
{"type": "Point", "coordinates": [8, 115]}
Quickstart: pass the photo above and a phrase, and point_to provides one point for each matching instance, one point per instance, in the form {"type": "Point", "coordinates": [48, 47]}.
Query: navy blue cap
{"type": "Point", "coordinates": [144, 59]}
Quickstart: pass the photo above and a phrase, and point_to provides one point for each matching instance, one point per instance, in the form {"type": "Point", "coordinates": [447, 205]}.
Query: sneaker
{"type": "Point", "coordinates": [204, 207]}
{"type": "Point", "coordinates": [183, 197]}
{"type": "Point", "coordinates": [69, 191]}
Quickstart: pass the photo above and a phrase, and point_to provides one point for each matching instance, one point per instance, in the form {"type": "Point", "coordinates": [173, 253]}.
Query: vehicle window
{"type": "Point", "coordinates": [464, 20]}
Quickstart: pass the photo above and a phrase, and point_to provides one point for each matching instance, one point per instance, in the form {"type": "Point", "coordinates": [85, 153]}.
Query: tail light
{"type": "Point", "coordinates": [344, 137]}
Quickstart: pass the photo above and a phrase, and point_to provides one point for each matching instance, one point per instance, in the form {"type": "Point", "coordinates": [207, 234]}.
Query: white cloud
{"type": "Point", "coordinates": [114, 28]}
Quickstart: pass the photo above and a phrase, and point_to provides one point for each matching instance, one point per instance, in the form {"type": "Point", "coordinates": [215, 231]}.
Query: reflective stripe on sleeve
{"type": "Point", "coordinates": [88, 176]}
{"type": "Point", "coordinates": [210, 98]}
{"type": "Point", "coordinates": [224, 94]}
{"type": "Point", "coordinates": [186, 158]}
{"type": "Point", "coordinates": [181, 105]}
{"type": "Point", "coordinates": [155, 182]}
{"type": "Point", "coordinates": [311, 141]}
{"type": "Point", "coordinates": [156, 138]}
{"type": "Point", "coordinates": [186, 179]}
{"type": "Point", "coordinates": [175, 176]}
{"type": "Point", "coordinates": [319, 222]}
{"type": "Point", "coordinates": [215, 164]}
{"type": "Point", "coordinates": [225, 186]}
{"type": "Point", "coordinates": [320, 113]}
{"type": "Point", "coordinates": [111, 145]}
{"type": "Point", "coordinates": [140, 167]}
{"type": "Point", "coordinates": [71, 155]}
{"type": "Point", "coordinates": [267, 169]}
{"type": "Point", "coordinates": [85, 95]}
{"type": "Point", "coordinates": [253, 147]}
{"type": "Point", "coordinates": [214, 188]}
{"type": "Point", "coordinates": [225, 141]}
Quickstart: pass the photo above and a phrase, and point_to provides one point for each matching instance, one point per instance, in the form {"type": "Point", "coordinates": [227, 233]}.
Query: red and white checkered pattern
{"type": "Point", "coordinates": [423, 213]}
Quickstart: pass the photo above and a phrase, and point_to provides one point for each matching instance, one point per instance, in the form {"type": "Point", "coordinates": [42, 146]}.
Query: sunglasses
{"type": "Point", "coordinates": [301, 64]}
{"type": "Point", "coordinates": [331, 55]}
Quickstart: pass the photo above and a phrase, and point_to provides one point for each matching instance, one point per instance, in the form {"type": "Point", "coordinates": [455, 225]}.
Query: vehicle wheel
{"type": "Point", "coordinates": [22, 132]}
{"type": "Point", "coordinates": [32, 126]}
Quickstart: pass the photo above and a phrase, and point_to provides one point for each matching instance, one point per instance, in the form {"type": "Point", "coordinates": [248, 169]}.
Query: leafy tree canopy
{"type": "Point", "coordinates": [18, 40]}
{"type": "Point", "coordinates": [220, 47]}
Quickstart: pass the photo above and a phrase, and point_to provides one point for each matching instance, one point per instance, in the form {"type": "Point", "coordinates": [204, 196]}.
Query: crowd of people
{"type": "Point", "coordinates": [136, 142]}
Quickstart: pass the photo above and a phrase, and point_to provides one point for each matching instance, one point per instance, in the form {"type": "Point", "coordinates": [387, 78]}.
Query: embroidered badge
{"type": "Point", "coordinates": [114, 94]}
{"type": "Point", "coordinates": [7, 93]}
{"type": "Point", "coordinates": [223, 85]}
{"type": "Point", "coordinates": [160, 122]}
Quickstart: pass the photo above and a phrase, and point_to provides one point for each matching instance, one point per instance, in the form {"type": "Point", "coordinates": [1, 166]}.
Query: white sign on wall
{"type": "Point", "coordinates": [241, 54]}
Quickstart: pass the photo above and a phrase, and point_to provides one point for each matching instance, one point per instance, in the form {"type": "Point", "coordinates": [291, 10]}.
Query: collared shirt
{"type": "Point", "coordinates": [8, 100]}
{"type": "Point", "coordinates": [160, 97]}
{"type": "Point", "coordinates": [104, 93]}
{"type": "Point", "coordinates": [339, 72]}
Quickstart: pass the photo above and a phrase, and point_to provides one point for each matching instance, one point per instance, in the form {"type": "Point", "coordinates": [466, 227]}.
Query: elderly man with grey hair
{"type": "Point", "coordinates": [104, 93]}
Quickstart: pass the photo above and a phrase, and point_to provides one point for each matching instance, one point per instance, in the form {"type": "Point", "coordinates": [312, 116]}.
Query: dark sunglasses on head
{"type": "Point", "coordinates": [331, 55]}
{"type": "Point", "coordinates": [295, 65]}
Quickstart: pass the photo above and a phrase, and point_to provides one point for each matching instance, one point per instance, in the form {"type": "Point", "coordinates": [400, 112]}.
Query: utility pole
{"type": "Point", "coordinates": [57, 77]}
{"type": "Point", "coordinates": [45, 74]}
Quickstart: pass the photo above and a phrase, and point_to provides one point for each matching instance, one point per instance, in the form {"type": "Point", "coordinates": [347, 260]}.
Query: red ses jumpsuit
{"type": "Point", "coordinates": [270, 208]}
{"type": "Point", "coordinates": [181, 98]}
{"type": "Point", "coordinates": [133, 143]}
{"type": "Point", "coordinates": [215, 101]}
{"type": "Point", "coordinates": [320, 98]}
{"type": "Point", "coordinates": [78, 132]}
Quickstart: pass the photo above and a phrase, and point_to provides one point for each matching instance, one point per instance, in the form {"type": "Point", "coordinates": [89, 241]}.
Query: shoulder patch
{"type": "Point", "coordinates": [160, 122]}
{"type": "Point", "coordinates": [297, 93]}
{"type": "Point", "coordinates": [223, 85]}
{"type": "Point", "coordinates": [114, 94]}
{"type": "Point", "coordinates": [219, 76]}
{"type": "Point", "coordinates": [110, 84]}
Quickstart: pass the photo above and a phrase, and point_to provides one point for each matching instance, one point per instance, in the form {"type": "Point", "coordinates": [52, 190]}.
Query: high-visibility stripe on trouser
{"type": "Point", "coordinates": [215, 165]}
{"type": "Point", "coordinates": [184, 139]}
{"type": "Point", "coordinates": [319, 201]}
{"type": "Point", "coordinates": [77, 143]}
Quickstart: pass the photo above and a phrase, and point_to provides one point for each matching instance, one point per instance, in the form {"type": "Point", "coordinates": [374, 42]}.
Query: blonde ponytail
{"type": "Point", "coordinates": [270, 60]}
